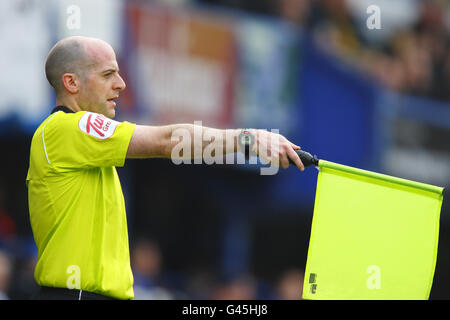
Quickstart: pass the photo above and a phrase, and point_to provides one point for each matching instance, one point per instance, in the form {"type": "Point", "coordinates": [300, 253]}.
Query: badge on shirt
{"type": "Point", "coordinates": [97, 125]}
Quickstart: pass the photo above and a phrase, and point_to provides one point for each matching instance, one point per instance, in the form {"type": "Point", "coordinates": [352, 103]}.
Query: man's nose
{"type": "Point", "coordinates": [119, 84]}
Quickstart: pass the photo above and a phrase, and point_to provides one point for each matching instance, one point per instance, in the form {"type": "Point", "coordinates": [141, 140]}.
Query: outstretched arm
{"type": "Point", "coordinates": [159, 141]}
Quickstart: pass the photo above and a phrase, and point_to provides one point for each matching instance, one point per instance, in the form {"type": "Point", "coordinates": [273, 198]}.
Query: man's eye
{"type": "Point", "coordinates": [107, 75]}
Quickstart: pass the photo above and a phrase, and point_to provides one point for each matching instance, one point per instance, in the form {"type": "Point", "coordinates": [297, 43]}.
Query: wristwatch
{"type": "Point", "coordinates": [246, 140]}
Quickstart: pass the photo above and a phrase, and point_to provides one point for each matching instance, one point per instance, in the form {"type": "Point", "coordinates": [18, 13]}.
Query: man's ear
{"type": "Point", "coordinates": [71, 82]}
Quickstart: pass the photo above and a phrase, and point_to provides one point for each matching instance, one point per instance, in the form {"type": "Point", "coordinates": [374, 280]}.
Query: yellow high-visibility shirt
{"type": "Point", "coordinates": [76, 204]}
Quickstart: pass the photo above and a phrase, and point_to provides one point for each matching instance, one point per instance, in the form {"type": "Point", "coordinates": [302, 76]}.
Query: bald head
{"type": "Point", "coordinates": [71, 55]}
{"type": "Point", "coordinates": [85, 74]}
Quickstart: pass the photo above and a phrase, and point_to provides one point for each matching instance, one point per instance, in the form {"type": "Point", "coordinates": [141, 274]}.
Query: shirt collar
{"type": "Point", "coordinates": [63, 109]}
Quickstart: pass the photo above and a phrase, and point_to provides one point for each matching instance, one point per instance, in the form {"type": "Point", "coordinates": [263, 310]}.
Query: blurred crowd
{"type": "Point", "coordinates": [152, 281]}
{"type": "Point", "coordinates": [408, 54]}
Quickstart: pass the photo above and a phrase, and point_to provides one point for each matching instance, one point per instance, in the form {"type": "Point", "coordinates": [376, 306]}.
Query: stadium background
{"type": "Point", "coordinates": [373, 99]}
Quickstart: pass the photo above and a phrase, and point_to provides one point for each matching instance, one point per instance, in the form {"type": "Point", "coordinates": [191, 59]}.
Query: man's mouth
{"type": "Point", "coordinates": [112, 100]}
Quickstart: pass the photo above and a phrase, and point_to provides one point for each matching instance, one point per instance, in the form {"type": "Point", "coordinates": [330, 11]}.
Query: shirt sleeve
{"type": "Point", "coordinates": [87, 140]}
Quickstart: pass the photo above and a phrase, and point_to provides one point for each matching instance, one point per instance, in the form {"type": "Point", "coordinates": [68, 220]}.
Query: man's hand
{"type": "Point", "coordinates": [275, 149]}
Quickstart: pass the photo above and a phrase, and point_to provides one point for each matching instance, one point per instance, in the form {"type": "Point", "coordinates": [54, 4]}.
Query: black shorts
{"type": "Point", "coordinates": [47, 293]}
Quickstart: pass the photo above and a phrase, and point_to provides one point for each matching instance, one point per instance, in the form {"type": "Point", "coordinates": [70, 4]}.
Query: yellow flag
{"type": "Point", "coordinates": [373, 236]}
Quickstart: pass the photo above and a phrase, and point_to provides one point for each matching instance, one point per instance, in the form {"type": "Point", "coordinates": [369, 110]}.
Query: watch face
{"type": "Point", "coordinates": [246, 138]}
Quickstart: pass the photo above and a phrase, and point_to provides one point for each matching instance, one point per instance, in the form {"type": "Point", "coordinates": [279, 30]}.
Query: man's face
{"type": "Point", "coordinates": [101, 83]}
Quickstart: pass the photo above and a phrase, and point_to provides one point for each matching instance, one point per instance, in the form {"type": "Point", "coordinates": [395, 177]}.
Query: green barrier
{"type": "Point", "coordinates": [373, 236]}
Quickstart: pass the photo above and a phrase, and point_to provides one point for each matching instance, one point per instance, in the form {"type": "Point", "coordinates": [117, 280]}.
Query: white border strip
{"type": "Point", "coordinates": [43, 140]}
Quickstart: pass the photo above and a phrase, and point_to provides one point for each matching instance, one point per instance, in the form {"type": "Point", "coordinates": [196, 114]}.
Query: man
{"type": "Point", "coordinates": [76, 204]}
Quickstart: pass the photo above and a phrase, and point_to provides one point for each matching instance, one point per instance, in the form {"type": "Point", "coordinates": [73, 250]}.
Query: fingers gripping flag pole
{"type": "Point", "coordinates": [373, 236]}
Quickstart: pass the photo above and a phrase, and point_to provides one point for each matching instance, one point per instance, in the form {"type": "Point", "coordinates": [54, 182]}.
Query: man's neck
{"type": "Point", "coordinates": [69, 103]}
